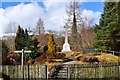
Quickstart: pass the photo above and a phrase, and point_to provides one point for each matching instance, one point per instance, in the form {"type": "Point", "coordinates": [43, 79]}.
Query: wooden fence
{"type": "Point", "coordinates": [104, 51]}
{"type": "Point", "coordinates": [30, 71]}
{"type": "Point", "coordinates": [102, 70]}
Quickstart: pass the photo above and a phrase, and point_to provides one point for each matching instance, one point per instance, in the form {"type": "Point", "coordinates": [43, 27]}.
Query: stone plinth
{"type": "Point", "coordinates": [66, 47]}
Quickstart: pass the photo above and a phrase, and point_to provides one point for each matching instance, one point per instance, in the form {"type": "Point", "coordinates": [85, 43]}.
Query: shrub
{"type": "Point", "coordinates": [51, 44]}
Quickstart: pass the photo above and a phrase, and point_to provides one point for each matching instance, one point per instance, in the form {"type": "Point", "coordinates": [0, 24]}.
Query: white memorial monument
{"type": "Point", "coordinates": [66, 46]}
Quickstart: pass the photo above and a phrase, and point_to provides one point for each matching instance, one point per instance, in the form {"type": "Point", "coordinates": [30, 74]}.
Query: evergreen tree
{"type": "Point", "coordinates": [23, 41]}
{"type": "Point", "coordinates": [51, 44]}
{"type": "Point", "coordinates": [27, 39]}
{"type": "Point", "coordinates": [33, 46]}
{"type": "Point", "coordinates": [19, 39]}
{"type": "Point", "coordinates": [107, 32]}
{"type": "Point", "coordinates": [36, 51]}
{"type": "Point", "coordinates": [26, 33]}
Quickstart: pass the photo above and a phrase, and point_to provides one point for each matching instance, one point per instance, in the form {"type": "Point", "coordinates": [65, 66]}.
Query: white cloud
{"type": "Point", "coordinates": [56, 15]}
{"type": "Point", "coordinates": [3, 21]}
{"type": "Point", "coordinates": [24, 14]}
{"type": "Point", "coordinates": [91, 15]}
{"type": "Point", "coordinates": [53, 15]}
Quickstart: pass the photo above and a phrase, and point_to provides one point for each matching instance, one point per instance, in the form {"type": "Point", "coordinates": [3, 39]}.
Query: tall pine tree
{"type": "Point", "coordinates": [107, 32]}
{"type": "Point", "coordinates": [19, 39]}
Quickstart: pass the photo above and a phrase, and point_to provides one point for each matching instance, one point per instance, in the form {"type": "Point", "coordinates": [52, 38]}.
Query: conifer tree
{"type": "Point", "coordinates": [51, 44]}
{"type": "Point", "coordinates": [33, 46]}
{"type": "Point", "coordinates": [26, 33]}
{"type": "Point", "coordinates": [27, 39]}
{"type": "Point", "coordinates": [23, 41]}
{"type": "Point", "coordinates": [107, 32]}
{"type": "Point", "coordinates": [19, 39]}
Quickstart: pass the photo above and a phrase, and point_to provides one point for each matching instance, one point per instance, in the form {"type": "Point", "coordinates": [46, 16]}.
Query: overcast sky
{"type": "Point", "coordinates": [53, 13]}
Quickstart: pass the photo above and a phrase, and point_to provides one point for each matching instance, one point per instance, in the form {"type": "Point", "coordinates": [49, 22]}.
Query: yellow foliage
{"type": "Point", "coordinates": [107, 58]}
{"type": "Point", "coordinates": [51, 44]}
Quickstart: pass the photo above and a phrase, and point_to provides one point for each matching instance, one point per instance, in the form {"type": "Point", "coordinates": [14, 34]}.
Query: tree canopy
{"type": "Point", "coordinates": [108, 30]}
{"type": "Point", "coordinates": [24, 41]}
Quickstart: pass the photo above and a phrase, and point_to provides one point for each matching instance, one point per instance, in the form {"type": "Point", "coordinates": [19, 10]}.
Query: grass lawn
{"type": "Point", "coordinates": [108, 58]}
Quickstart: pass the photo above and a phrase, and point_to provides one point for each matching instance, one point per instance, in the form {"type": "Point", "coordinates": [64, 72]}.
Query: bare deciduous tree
{"type": "Point", "coordinates": [39, 27]}
{"type": "Point", "coordinates": [74, 21]}
{"type": "Point", "coordinates": [86, 32]}
{"type": "Point", "coordinates": [82, 35]}
{"type": "Point", "coordinates": [12, 28]}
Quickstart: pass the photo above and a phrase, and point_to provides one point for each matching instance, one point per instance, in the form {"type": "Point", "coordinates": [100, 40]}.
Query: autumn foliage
{"type": "Point", "coordinates": [51, 44]}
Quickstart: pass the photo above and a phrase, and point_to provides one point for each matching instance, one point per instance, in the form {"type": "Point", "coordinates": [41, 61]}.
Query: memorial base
{"type": "Point", "coordinates": [66, 47]}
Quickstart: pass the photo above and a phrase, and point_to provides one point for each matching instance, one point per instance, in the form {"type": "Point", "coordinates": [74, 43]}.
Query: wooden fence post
{"type": "Point", "coordinates": [113, 52]}
{"type": "Point", "coordinates": [28, 72]}
{"type": "Point", "coordinates": [7, 69]}
{"type": "Point", "coordinates": [118, 68]}
{"type": "Point", "coordinates": [40, 71]}
{"type": "Point", "coordinates": [68, 73]}
{"type": "Point", "coordinates": [46, 72]}
{"type": "Point", "coordinates": [1, 70]}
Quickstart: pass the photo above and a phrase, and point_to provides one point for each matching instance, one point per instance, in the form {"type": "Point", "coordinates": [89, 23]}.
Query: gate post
{"type": "Point", "coordinates": [68, 72]}
{"type": "Point", "coordinates": [46, 72]}
{"type": "Point", "coordinates": [113, 52]}
{"type": "Point", "coordinates": [28, 72]}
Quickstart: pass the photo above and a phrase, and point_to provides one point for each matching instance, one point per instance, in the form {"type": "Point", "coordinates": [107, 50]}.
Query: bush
{"type": "Point", "coordinates": [51, 44]}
